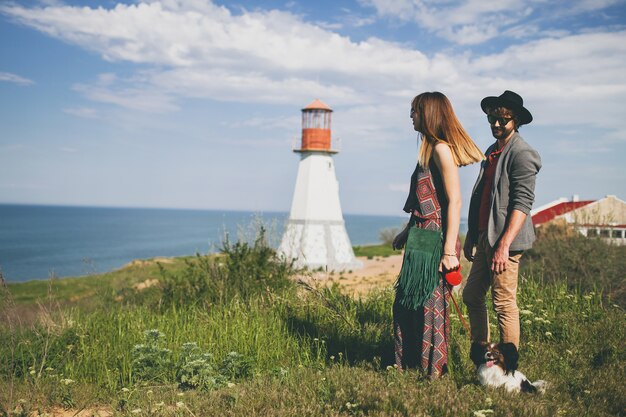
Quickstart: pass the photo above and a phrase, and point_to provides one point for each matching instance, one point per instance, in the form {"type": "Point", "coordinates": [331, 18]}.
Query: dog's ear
{"type": "Point", "coordinates": [477, 353]}
{"type": "Point", "coordinates": [511, 356]}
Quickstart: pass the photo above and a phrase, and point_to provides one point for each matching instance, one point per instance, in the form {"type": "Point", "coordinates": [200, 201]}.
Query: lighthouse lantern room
{"type": "Point", "coordinates": [315, 234]}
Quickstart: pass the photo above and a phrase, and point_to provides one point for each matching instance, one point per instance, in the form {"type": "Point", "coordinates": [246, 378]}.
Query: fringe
{"type": "Point", "coordinates": [419, 274]}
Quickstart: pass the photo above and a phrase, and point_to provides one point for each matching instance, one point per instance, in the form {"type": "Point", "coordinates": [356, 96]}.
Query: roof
{"type": "Point", "coordinates": [317, 105]}
{"type": "Point", "coordinates": [545, 215]}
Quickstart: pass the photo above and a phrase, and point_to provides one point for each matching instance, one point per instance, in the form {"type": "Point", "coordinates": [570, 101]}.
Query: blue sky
{"type": "Point", "coordinates": [196, 104]}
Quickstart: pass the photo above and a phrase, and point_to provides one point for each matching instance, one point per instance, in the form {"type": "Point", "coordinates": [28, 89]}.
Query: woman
{"type": "Point", "coordinates": [422, 331]}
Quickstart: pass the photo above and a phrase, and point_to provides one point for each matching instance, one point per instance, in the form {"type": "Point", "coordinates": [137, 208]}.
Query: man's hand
{"type": "Point", "coordinates": [500, 258]}
{"type": "Point", "coordinates": [400, 240]}
{"type": "Point", "coordinates": [468, 249]}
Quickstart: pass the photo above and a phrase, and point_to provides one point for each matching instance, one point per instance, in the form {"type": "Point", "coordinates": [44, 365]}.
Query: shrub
{"type": "Point", "coordinates": [196, 369]}
{"type": "Point", "coordinates": [588, 264]}
{"type": "Point", "coordinates": [241, 270]}
{"type": "Point", "coordinates": [388, 235]}
{"type": "Point", "coordinates": [151, 362]}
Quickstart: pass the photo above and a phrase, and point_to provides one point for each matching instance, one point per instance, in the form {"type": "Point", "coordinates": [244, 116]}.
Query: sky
{"type": "Point", "coordinates": [196, 104]}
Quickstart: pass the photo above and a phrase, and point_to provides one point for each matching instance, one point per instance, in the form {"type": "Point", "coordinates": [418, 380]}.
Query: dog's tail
{"type": "Point", "coordinates": [538, 386]}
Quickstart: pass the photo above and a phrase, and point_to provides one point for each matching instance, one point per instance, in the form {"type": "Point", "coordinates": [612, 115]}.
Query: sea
{"type": "Point", "coordinates": [37, 242]}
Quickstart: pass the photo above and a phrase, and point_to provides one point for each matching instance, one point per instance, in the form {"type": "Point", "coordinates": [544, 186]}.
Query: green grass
{"type": "Point", "coordinates": [375, 250]}
{"type": "Point", "coordinates": [313, 352]}
{"type": "Point", "coordinates": [88, 289]}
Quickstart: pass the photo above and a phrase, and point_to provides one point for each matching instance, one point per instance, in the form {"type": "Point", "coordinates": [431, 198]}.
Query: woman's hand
{"type": "Point", "coordinates": [400, 240]}
{"type": "Point", "coordinates": [449, 263]}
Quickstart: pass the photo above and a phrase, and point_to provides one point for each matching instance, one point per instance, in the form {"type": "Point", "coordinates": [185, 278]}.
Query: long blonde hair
{"type": "Point", "coordinates": [438, 123]}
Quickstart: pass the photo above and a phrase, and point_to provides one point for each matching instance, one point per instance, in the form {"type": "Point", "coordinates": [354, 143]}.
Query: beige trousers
{"type": "Point", "coordinates": [503, 294]}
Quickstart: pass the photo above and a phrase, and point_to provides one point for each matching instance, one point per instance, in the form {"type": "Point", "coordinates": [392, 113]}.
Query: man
{"type": "Point", "coordinates": [500, 227]}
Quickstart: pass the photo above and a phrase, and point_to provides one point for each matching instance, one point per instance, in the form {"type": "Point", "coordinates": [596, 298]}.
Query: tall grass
{"type": "Point", "coordinates": [314, 351]}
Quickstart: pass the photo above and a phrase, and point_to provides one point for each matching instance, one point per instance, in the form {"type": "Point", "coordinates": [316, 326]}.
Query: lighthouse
{"type": "Point", "coordinates": [315, 234]}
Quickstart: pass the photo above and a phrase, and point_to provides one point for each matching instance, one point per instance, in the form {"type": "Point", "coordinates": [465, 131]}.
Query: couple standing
{"type": "Point", "coordinates": [500, 229]}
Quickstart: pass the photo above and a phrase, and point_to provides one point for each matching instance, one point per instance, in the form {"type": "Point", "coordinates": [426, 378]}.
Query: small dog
{"type": "Point", "coordinates": [496, 366]}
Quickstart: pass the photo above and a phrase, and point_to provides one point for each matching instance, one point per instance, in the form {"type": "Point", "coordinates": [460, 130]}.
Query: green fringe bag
{"type": "Point", "coordinates": [419, 274]}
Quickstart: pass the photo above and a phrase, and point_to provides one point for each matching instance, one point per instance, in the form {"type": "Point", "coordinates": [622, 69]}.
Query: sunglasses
{"type": "Point", "coordinates": [501, 120]}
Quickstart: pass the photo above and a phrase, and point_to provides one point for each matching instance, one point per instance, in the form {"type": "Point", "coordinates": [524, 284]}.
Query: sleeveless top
{"type": "Point", "coordinates": [427, 201]}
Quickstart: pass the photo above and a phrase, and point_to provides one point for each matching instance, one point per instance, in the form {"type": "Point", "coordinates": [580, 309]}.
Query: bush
{"type": "Point", "coordinates": [241, 270]}
{"type": "Point", "coordinates": [388, 235]}
{"type": "Point", "coordinates": [587, 264]}
{"type": "Point", "coordinates": [151, 362]}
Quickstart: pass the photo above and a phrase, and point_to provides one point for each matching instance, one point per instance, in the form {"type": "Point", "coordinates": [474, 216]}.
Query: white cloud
{"type": "Point", "coordinates": [471, 22]}
{"type": "Point", "coordinates": [85, 112]}
{"type": "Point", "coordinates": [16, 79]}
{"type": "Point", "coordinates": [402, 188]}
{"type": "Point", "coordinates": [200, 50]}
{"type": "Point", "coordinates": [68, 150]}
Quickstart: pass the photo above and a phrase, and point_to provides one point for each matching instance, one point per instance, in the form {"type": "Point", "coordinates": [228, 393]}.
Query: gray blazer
{"type": "Point", "coordinates": [513, 189]}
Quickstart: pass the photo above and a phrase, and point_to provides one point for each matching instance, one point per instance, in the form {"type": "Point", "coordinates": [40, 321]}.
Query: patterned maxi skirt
{"type": "Point", "coordinates": [421, 336]}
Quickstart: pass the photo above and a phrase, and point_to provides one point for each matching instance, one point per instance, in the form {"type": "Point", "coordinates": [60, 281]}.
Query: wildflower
{"type": "Point", "coordinates": [615, 305]}
{"type": "Point", "coordinates": [149, 392]}
{"type": "Point", "coordinates": [587, 391]}
{"type": "Point", "coordinates": [488, 401]}
{"type": "Point", "coordinates": [389, 367]}
{"type": "Point", "coordinates": [332, 357]}
{"type": "Point", "coordinates": [230, 385]}
{"type": "Point", "coordinates": [547, 322]}
{"type": "Point", "coordinates": [315, 339]}
{"type": "Point", "coordinates": [548, 334]}
{"type": "Point", "coordinates": [49, 369]}
{"type": "Point", "coordinates": [67, 381]}
{"type": "Point", "coordinates": [592, 293]}
{"type": "Point", "coordinates": [587, 297]}
{"type": "Point", "coordinates": [136, 411]}
{"type": "Point", "coordinates": [526, 312]}
{"type": "Point", "coordinates": [160, 404]}
{"type": "Point", "coordinates": [323, 378]}
{"type": "Point", "coordinates": [180, 404]}
{"type": "Point", "coordinates": [125, 389]}
{"type": "Point", "coordinates": [528, 322]}
{"type": "Point", "coordinates": [569, 352]}
{"type": "Point", "coordinates": [482, 413]}
{"type": "Point", "coordinates": [529, 306]}
{"type": "Point", "coordinates": [539, 300]}
{"type": "Point", "coordinates": [32, 372]}
{"type": "Point", "coordinates": [21, 401]}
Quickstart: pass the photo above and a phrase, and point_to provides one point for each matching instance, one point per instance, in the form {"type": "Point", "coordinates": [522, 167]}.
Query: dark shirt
{"type": "Point", "coordinates": [485, 199]}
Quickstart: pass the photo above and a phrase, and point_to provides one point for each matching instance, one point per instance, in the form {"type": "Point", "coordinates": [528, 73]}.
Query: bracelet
{"type": "Point", "coordinates": [450, 254]}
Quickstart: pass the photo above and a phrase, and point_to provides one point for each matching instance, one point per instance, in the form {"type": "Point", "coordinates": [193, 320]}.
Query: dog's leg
{"type": "Point", "coordinates": [541, 386]}
{"type": "Point", "coordinates": [526, 386]}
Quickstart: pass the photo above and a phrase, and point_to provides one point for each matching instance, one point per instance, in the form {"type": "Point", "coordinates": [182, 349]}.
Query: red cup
{"type": "Point", "coordinates": [454, 277]}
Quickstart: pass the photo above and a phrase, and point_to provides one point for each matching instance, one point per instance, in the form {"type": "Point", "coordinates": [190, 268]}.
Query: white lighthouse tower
{"type": "Point", "coordinates": [315, 234]}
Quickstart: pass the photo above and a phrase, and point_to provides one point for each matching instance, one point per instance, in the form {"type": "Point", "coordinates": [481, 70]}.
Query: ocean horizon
{"type": "Point", "coordinates": [40, 241]}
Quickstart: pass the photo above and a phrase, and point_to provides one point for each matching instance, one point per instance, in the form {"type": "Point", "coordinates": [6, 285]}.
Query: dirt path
{"type": "Point", "coordinates": [378, 272]}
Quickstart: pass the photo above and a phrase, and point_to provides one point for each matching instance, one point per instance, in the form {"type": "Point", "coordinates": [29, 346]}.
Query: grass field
{"type": "Point", "coordinates": [174, 340]}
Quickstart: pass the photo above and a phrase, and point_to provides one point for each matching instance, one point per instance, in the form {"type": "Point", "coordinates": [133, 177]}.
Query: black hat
{"type": "Point", "coordinates": [510, 100]}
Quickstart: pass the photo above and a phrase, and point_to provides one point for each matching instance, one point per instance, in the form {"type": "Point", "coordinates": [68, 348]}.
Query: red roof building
{"type": "Point", "coordinates": [604, 218]}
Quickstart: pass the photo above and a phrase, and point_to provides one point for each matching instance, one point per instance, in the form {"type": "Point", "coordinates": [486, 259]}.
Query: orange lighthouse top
{"type": "Point", "coordinates": [316, 119]}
